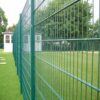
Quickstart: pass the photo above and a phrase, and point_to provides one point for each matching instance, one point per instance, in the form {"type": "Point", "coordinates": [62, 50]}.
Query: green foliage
{"type": "Point", "coordinates": [72, 22]}
{"type": "Point", "coordinates": [11, 28]}
{"type": "Point", "coordinates": [3, 24]}
{"type": "Point", "coordinates": [94, 33]}
{"type": "Point", "coordinates": [96, 29]}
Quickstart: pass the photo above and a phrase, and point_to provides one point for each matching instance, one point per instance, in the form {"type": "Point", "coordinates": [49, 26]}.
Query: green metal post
{"type": "Point", "coordinates": [32, 53]}
{"type": "Point", "coordinates": [21, 52]}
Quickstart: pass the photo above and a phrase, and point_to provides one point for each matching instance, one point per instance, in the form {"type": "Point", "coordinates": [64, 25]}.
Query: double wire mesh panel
{"type": "Point", "coordinates": [22, 40]}
{"type": "Point", "coordinates": [67, 65]}
{"type": "Point", "coordinates": [57, 50]}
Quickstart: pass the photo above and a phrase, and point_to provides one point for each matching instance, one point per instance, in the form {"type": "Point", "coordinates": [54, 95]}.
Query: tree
{"type": "Point", "coordinates": [3, 24]}
{"type": "Point", "coordinates": [73, 22]}
{"type": "Point", "coordinates": [94, 33]}
{"type": "Point", "coordinates": [11, 28]}
{"type": "Point", "coordinates": [96, 29]}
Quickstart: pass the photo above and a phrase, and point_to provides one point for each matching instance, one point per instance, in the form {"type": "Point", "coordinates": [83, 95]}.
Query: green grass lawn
{"type": "Point", "coordinates": [67, 75]}
{"type": "Point", "coordinates": [9, 82]}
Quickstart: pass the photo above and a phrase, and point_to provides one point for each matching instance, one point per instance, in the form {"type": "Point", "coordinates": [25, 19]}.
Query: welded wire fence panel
{"type": "Point", "coordinates": [57, 50]}
{"type": "Point", "coordinates": [67, 44]}
{"type": "Point", "coordinates": [22, 51]}
{"type": "Point", "coordinates": [26, 51]}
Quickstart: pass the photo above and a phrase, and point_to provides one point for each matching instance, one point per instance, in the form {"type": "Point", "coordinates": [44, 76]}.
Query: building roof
{"type": "Point", "coordinates": [7, 32]}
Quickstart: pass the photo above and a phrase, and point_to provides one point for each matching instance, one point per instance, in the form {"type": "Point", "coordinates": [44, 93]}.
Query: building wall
{"type": "Point", "coordinates": [8, 47]}
{"type": "Point", "coordinates": [38, 43]}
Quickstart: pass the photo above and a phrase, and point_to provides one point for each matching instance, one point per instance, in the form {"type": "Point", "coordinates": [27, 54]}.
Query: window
{"type": "Point", "coordinates": [11, 39]}
{"type": "Point", "coordinates": [38, 38]}
{"type": "Point", "coordinates": [26, 39]}
{"type": "Point", "coordinates": [7, 39]}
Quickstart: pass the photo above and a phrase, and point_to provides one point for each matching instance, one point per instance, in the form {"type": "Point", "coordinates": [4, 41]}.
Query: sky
{"type": "Point", "coordinates": [12, 9]}
{"type": "Point", "coordinates": [96, 9]}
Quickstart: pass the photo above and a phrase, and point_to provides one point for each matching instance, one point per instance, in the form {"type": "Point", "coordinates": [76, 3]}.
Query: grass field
{"type": "Point", "coordinates": [9, 83]}
{"type": "Point", "coordinates": [68, 75]}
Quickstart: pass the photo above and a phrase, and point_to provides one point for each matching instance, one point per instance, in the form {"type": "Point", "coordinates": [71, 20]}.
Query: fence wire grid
{"type": "Point", "coordinates": [56, 47]}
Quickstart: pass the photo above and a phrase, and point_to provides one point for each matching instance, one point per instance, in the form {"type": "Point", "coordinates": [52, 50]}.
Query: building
{"type": "Point", "coordinates": [27, 43]}
{"type": "Point", "coordinates": [38, 42]}
{"type": "Point", "coordinates": [8, 45]}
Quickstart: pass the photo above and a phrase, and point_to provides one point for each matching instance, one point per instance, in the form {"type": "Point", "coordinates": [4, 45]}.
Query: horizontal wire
{"type": "Point", "coordinates": [69, 74]}
{"type": "Point", "coordinates": [39, 5]}
{"type": "Point", "coordinates": [77, 39]}
{"type": "Point", "coordinates": [25, 79]}
{"type": "Point", "coordinates": [40, 93]}
{"type": "Point", "coordinates": [50, 87]}
{"type": "Point", "coordinates": [27, 92]}
{"type": "Point", "coordinates": [66, 6]}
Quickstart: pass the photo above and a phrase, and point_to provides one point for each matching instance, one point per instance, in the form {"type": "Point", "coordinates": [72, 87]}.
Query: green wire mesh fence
{"type": "Point", "coordinates": [57, 50]}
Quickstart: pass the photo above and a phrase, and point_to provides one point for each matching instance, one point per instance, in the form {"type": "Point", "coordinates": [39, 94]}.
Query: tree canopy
{"type": "Point", "coordinates": [3, 24]}
{"type": "Point", "coordinates": [72, 22]}
{"type": "Point", "coordinates": [11, 28]}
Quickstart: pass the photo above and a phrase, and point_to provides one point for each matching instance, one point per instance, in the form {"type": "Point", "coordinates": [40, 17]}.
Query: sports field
{"type": "Point", "coordinates": [68, 75]}
{"type": "Point", "coordinates": [9, 82]}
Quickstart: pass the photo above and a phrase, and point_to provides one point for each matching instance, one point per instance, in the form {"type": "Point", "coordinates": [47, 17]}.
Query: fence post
{"type": "Point", "coordinates": [21, 52]}
{"type": "Point", "coordinates": [32, 52]}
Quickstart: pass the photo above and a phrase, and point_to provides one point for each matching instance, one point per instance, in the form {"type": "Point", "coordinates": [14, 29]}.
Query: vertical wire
{"type": "Point", "coordinates": [98, 93]}
{"type": "Point", "coordinates": [65, 53]}
{"type": "Point", "coordinates": [47, 50]}
{"type": "Point", "coordinates": [77, 55]}
{"type": "Point", "coordinates": [54, 17]}
{"type": "Point", "coordinates": [40, 56]}
{"type": "Point", "coordinates": [62, 55]}
{"type": "Point", "coordinates": [74, 51]}
{"type": "Point", "coordinates": [58, 52]}
{"type": "Point", "coordinates": [52, 51]}
{"type": "Point", "coordinates": [63, 59]}
{"type": "Point", "coordinates": [52, 38]}
{"type": "Point", "coordinates": [87, 53]}
{"type": "Point", "coordinates": [55, 46]}
{"type": "Point", "coordinates": [82, 43]}
{"type": "Point", "coordinates": [92, 51]}
{"type": "Point", "coordinates": [67, 63]}
{"type": "Point", "coordinates": [58, 46]}
{"type": "Point", "coordinates": [35, 58]}
{"type": "Point", "coordinates": [70, 54]}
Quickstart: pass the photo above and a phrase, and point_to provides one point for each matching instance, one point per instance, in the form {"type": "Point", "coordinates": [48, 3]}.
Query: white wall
{"type": "Point", "coordinates": [8, 47]}
{"type": "Point", "coordinates": [27, 44]}
{"type": "Point", "coordinates": [38, 43]}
